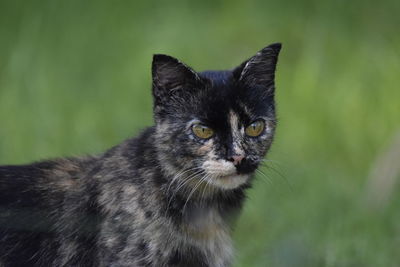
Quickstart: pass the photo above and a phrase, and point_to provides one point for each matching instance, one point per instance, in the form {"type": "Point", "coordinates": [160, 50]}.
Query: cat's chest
{"type": "Point", "coordinates": [206, 229]}
{"type": "Point", "coordinates": [202, 224]}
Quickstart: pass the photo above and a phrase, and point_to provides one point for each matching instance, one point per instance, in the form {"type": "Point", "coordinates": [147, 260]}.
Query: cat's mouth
{"type": "Point", "coordinates": [223, 174]}
{"type": "Point", "coordinates": [229, 176]}
{"type": "Point", "coordinates": [230, 181]}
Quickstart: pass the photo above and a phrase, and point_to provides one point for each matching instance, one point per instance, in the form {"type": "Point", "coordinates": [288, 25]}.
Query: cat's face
{"type": "Point", "coordinates": [214, 127]}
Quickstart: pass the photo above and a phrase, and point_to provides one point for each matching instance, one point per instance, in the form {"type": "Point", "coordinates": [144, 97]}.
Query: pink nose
{"type": "Point", "coordinates": [236, 159]}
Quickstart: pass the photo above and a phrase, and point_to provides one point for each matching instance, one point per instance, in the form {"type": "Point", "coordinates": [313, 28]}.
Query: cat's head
{"type": "Point", "coordinates": [214, 127]}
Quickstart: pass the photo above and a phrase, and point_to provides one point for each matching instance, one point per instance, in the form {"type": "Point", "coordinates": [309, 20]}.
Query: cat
{"type": "Point", "coordinates": [168, 197]}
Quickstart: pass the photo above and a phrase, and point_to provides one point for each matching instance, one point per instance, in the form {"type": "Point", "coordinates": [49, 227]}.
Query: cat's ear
{"type": "Point", "coordinates": [173, 83]}
{"type": "Point", "coordinates": [170, 76]}
{"type": "Point", "coordinates": [259, 70]}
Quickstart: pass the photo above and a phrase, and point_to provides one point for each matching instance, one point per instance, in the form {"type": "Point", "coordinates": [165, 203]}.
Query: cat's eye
{"type": "Point", "coordinates": [202, 131]}
{"type": "Point", "coordinates": [255, 128]}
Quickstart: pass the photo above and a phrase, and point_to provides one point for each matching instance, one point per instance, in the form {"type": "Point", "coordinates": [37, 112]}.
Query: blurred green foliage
{"type": "Point", "coordinates": [75, 79]}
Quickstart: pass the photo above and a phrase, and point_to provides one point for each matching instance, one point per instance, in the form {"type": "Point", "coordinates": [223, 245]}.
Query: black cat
{"type": "Point", "coordinates": [164, 198]}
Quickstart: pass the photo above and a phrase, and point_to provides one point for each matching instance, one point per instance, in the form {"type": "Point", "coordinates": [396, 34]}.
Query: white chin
{"type": "Point", "coordinates": [230, 181]}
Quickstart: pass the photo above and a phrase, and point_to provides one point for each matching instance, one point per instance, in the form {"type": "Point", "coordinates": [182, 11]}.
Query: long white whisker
{"type": "Point", "coordinates": [187, 180]}
{"type": "Point", "coordinates": [180, 185]}
{"type": "Point", "coordinates": [180, 174]}
{"type": "Point", "coordinates": [263, 175]}
{"type": "Point", "coordinates": [279, 173]}
{"type": "Point", "coordinates": [205, 189]}
{"type": "Point", "coordinates": [193, 190]}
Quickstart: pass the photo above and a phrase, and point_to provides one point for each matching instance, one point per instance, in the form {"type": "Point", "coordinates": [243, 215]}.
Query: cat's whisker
{"type": "Point", "coordinates": [181, 180]}
{"type": "Point", "coordinates": [187, 180]}
{"type": "Point", "coordinates": [276, 171]}
{"type": "Point", "coordinates": [181, 184]}
{"type": "Point", "coordinates": [205, 188]}
{"type": "Point", "coordinates": [180, 174]}
{"type": "Point", "coordinates": [264, 177]}
{"type": "Point", "coordinates": [202, 179]}
{"type": "Point", "coordinates": [271, 160]}
{"type": "Point", "coordinates": [173, 180]}
{"type": "Point", "coordinates": [272, 164]}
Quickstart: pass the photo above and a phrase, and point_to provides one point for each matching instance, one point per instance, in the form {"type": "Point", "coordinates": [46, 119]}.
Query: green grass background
{"type": "Point", "coordinates": [75, 79]}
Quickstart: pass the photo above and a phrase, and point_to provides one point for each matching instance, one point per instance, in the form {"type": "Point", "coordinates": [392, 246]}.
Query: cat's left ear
{"type": "Point", "coordinates": [259, 70]}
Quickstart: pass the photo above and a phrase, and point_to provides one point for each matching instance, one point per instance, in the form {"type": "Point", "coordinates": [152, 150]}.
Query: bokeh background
{"type": "Point", "coordinates": [75, 79]}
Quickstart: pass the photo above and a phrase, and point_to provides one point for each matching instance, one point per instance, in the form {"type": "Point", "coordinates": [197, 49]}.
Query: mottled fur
{"type": "Point", "coordinates": [164, 198]}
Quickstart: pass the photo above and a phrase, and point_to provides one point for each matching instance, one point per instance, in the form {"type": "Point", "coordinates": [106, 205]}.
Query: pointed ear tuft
{"type": "Point", "coordinates": [260, 69]}
{"type": "Point", "coordinates": [275, 46]}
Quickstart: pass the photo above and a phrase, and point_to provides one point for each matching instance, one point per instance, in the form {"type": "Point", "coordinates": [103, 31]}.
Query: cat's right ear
{"type": "Point", "coordinates": [172, 78]}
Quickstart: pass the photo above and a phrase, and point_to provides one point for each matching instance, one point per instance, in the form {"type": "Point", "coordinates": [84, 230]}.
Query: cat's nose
{"type": "Point", "coordinates": [236, 159]}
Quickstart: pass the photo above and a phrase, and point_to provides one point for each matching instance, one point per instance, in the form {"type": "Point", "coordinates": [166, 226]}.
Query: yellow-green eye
{"type": "Point", "coordinates": [202, 131]}
{"type": "Point", "coordinates": [255, 129]}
